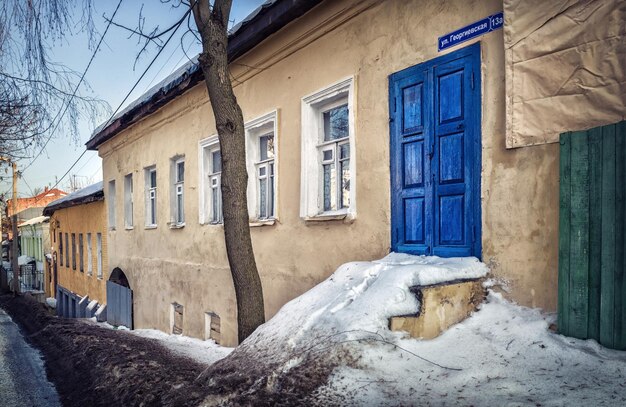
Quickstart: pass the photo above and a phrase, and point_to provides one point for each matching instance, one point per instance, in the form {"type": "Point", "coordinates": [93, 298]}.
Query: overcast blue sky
{"type": "Point", "coordinates": [110, 77]}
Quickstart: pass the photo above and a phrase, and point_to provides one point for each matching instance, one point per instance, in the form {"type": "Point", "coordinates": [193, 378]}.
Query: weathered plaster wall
{"type": "Point", "coordinates": [368, 40]}
{"type": "Point", "coordinates": [86, 218]}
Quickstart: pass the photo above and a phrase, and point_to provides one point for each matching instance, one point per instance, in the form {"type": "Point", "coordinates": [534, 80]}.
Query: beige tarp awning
{"type": "Point", "coordinates": [565, 67]}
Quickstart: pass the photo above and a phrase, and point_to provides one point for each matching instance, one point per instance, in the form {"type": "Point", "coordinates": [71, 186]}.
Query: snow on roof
{"type": "Point", "coordinates": [169, 82]}
{"type": "Point", "coordinates": [88, 194]}
{"type": "Point", "coordinates": [191, 67]}
{"type": "Point", "coordinates": [34, 221]}
{"type": "Point", "coordinates": [180, 74]}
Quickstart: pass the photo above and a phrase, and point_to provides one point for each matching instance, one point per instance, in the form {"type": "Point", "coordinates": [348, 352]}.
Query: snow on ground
{"type": "Point", "coordinates": [503, 355]}
{"type": "Point", "coordinates": [207, 352]}
{"type": "Point", "coordinates": [362, 296]}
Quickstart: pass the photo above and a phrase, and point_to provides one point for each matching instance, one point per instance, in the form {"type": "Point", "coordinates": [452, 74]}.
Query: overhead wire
{"type": "Point", "coordinates": [127, 94]}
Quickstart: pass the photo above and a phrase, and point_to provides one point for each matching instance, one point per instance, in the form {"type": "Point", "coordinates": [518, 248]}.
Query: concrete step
{"type": "Point", "coordinates": [441, 306]}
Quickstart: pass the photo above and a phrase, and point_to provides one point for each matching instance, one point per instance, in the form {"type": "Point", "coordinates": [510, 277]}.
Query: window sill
{"type": "Point", "coordinates": [255, 223]}
{"type": "Point", "coordinates": [129, 228]}
{"type": "Point", "coordinates": [111, 228]}
{"type": "Point", "coordinates": [150, 227]}
{"type": "Point", "coordinates": [344, 216]}
{"type": "Point", "coordinates": [176, 225]}
{"type": "Point", "coordinates": [211, 224]}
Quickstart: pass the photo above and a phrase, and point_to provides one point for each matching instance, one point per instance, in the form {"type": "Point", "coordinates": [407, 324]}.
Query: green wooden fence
{"type": "Point", "coordinates": [592, 286]}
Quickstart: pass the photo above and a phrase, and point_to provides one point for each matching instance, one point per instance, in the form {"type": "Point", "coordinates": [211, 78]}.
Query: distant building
{"type": "Point", "coordinates": [35, 243]}
{"type": "Point", "coordinates": [78, 240]}
{"type": "Point", "coordinates": [37, 201]}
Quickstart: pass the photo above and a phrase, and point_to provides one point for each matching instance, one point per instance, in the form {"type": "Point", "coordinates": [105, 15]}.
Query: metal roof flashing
{"type": "Point", "coordinates": [264, 21]}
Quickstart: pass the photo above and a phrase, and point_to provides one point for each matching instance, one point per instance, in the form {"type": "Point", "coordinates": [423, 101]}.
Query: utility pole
{"type": "Point", "coordinates": [14, 265]}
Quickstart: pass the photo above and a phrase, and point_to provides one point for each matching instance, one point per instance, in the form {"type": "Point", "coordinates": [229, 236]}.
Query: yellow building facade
{"type": "Point", "coordinates": [78, 236]}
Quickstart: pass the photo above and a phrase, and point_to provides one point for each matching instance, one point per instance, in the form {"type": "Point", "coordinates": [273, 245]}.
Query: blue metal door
{"type": "Point", "coordinates": [435, 156]}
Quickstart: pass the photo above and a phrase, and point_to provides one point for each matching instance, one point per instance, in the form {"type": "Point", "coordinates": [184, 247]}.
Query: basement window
{"type": "Point", "coordinates": [212, 327]}
{"type": "Point", "coordinates": [176, 318]}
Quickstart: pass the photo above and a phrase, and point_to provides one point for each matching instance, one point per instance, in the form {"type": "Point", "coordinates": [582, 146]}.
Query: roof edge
{"type": "Point", "coordinates": [270, 18]}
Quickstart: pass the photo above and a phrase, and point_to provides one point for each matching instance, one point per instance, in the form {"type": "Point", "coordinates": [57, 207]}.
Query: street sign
{"type": "Point", "coordinates": [473, 30]}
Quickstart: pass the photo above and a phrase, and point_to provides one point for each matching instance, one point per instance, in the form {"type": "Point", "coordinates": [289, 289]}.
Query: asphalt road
{"type": "Point", "coordinates": [23, 379]}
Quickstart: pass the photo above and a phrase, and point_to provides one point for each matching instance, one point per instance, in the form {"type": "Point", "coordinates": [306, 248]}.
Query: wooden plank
{"type": "Point", "coordinates": [564, 232]}
{"type": "Point", "coordinates": [607, 310]}
{"type": "Point", "coordinates": [579, 236]}
{"type": "Point", "coordinates": [595, 230]}
{"type": "Point", "coordinates": [620, 218]}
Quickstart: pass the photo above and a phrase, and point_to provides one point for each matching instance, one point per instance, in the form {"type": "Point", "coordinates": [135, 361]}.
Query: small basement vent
{"type": "Point", "coordinates": [176, 318]}
{"type": "Point", "coordinates": [212, 328]}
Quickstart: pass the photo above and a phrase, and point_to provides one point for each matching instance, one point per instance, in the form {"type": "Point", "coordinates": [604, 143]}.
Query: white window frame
{"type": "Point", "coordinates": [255, 129]}
{"type": "Point", "coordinates": [313, 106]}
{"type": "Point", "coordinates": [89, 258]}
{"type": "Point", "coordinates": [128, 201]}
{"type": "Point", "coordinates": [177, 188]}
{"type": "Point", "coordinates": [111, 204]}
{"type": "Point", "coordinates": [151, 196]}
{"type": "Point", "coordinates": [206, 213]}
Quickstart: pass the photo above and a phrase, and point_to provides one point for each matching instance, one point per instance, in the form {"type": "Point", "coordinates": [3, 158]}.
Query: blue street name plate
{"type": "Point", "coordinates": [473, 30]}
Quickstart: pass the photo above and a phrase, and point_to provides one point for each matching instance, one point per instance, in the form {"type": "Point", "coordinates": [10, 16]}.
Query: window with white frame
{"type": "Point", "coordinates": [177, 172]}
{"type": "Point", "coordinates": [151, 196]}
{"type": "Point", "coordinates": [89, 258]}
{"type": "Point", "coordinates": [328, 172]}
{"type": "Point", "coordinates": [211, 176]}
{"type": "Point", "coordinates": [99, 254]}
{"type": "Point", "coordinates": [111, 199]}
{"type": "Point", "coordinates": [261, 163]}
{"type": "Point", "coordinates": [128, 201]}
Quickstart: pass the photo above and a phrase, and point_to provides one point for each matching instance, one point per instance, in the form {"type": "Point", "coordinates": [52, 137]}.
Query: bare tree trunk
{"type": "Point", "coordinates": [212, 24]}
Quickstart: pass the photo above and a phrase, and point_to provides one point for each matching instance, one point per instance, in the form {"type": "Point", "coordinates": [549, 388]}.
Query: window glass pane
{"type": "Point", "coordinates": [153, 210]}
{"type": "Point", "coordinates": [216, 161]}
{"type": "Point", "coordinates": [180, 218]}
{"type": "Point", "coordinates": [345, 183]}
{"type": "Point", "coordinates": [336, 123]}
{"type": "Point", "coordinates": [271, 192]}
{"type": "Point", "coordinates": [262, 171]}
{"type": "Point", "coordinates": [153, 179]}
{"type": "Point", "coordinates": [263, 198]}
{"type": "Point", "coordinates": [180, 171]}
{"type": "Point", "coordinates": [329, 187]}
{"type": "Point", "coordinates": [344, 151]}
{"type": "Point", "coordinates": [266, 147]}
{"type": "Point", "coordinates": [327, 155]}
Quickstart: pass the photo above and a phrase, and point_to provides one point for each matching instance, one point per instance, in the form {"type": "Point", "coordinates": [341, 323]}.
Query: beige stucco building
{"type": "Point", "coordinates": [325, 72]}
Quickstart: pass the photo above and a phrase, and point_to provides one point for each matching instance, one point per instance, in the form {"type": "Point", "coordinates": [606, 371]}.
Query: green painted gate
{"type": "Point", "coordinates": [592, 283]}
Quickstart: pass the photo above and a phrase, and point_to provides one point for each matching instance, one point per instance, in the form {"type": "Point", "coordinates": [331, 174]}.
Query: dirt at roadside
{"type": "Point", "coordinates": [94, 366]}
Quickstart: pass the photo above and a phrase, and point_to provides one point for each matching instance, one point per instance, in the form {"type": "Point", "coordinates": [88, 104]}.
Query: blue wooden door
{"type": "Point", "coordinates": [435, 156]}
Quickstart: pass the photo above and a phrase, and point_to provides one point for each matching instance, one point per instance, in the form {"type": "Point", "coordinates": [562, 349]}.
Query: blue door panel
{"type": "Point", "coordinates": [435, 156]}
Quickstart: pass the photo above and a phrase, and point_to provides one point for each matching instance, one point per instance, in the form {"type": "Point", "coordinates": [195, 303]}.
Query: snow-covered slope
{"type": "Point", "coordinates": [362, 296]}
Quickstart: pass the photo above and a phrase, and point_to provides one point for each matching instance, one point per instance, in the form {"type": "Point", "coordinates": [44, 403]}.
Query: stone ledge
{"type": "Point", "coordinates": [441, 306]}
